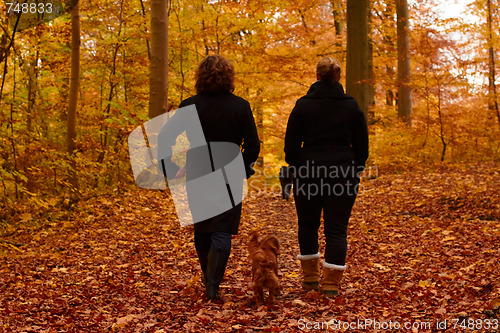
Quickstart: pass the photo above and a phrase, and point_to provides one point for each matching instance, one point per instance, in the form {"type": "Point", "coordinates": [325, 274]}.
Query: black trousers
{"type": "Point", "coordinates": [205, 241]}
{"type": "Point", "coordinates": [335, 200]}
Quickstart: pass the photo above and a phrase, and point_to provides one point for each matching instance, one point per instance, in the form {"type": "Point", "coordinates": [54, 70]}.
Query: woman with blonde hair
{"type": "Point", "coordinates": [326, 143]}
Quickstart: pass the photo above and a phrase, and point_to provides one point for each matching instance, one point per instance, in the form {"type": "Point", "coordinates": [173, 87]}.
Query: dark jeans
{"type": "Point", "coordinates": [336, 208]}
{"type": "Point", "coordinates": [205, 241]}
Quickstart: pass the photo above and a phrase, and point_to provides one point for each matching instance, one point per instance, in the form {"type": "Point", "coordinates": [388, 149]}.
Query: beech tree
{"type": "Point", "coordinates": [404, 67]}
{"type": "Point", "coordinates": [358, 77]}
{"type": "Point", "coordinates": [384, 35]}
{"type": "Point", "coordinates": [338, 19]}
{"type": "Point", "coordinates": [158, 75]}
{"type": "Point", "coordinates": [492, 90]}
{"type": "Point", "coordinates": [73, 93]}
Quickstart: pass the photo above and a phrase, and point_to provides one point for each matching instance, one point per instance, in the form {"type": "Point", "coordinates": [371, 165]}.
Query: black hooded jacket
{"type": "Point", "coordinates": [326, 126]}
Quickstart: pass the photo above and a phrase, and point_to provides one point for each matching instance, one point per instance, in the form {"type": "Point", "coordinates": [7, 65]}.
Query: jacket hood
{"type": "Point", "coordinates": [325, 89]}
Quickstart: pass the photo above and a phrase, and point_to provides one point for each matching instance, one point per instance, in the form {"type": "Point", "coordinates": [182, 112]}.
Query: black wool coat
{"type": "Point", "coordinates": [328, 128]}
{"type": "Point", "coordinates": [224, 117]}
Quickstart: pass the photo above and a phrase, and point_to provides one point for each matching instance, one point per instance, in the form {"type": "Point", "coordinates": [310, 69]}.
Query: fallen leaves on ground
{"type": "Point", "coordinates": [423, 247]}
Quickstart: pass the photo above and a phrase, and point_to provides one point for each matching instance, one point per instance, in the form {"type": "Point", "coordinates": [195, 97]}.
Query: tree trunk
{"type": "Point", "coordinates": [113, 84]}
{"type": "Point", "coordinates": [32, 86]}
{"type": "Point", "coordinates": [404, 68]}
{"type": "Point", "coordinates": [390, 99]}
{"type": "Point", "coordinates": [147, 41]}
{"type": "Point", "coordinates": [389, 39]}
{"type": "Point", "coordinates": [11, 125]}
{"type": "Point", "coordinates": [181, 58]}
{"type": "Point", "coordinates": [73, 95]}
{"type": "Point", "coordinates": [158, 76]}
{"type": "Point", "coordinates": [371, 72]}
{"type": "Point", "coordinates": [6, 56]}
{"type": "Point", "coordinates": [492, 91]}
{"type": "Point", "coordinates": [428, 105]}
{"type": "Point", "coordinates": [338, 21]}
{"type": "Point", "coordinates": [441, 125]}
{"type": "Point", "coordinates": [259, 112]}
{"type": "Point", "coordinates": [358, 53]}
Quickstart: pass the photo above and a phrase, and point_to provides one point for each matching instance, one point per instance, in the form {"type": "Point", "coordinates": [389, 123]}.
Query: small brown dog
{"type": "Point", "coordinates": [264, 256]}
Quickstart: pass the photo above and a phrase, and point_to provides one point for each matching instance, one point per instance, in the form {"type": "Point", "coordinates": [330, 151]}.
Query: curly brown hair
{"type": "Point", "coordinates": [215, 74]}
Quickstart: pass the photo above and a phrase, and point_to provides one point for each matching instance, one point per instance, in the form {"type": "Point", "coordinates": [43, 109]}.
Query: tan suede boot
{"type": "Point", "coordinates": [332, 275]}
{"type": "Point", "coordinates": [310, 271]}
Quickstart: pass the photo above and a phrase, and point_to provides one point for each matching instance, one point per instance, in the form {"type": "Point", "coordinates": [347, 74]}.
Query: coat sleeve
{"type": "Point", "coordinates": [359, 138]}
{"type": "Point", "coordinates": [166, 140]}
{"type": "Point", "coordinates": [293, 136]}
{"type": "Point", "coordinates": [251, 142]}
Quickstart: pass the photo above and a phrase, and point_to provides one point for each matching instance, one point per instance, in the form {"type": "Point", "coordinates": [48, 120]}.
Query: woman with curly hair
{"type": "Point", "coordinates": [224, 117]}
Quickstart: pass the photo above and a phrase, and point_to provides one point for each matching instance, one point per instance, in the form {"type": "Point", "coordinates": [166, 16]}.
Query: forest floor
{"type": "Point", "coordinates": [423, 248]}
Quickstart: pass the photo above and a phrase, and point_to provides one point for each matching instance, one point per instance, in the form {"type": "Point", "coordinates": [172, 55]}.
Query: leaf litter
{"type": "Point", "coordinates": [423, 246]}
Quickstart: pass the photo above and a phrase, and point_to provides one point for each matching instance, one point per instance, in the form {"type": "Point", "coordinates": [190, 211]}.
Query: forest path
{"type": "Point", "coordinates": [423, 246]}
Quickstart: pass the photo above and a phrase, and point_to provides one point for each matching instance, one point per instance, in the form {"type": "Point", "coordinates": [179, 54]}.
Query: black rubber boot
{"type": "Point", "coordinates": [217, 261]}
{"type": "Point", "coordinates": [202, 245]}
